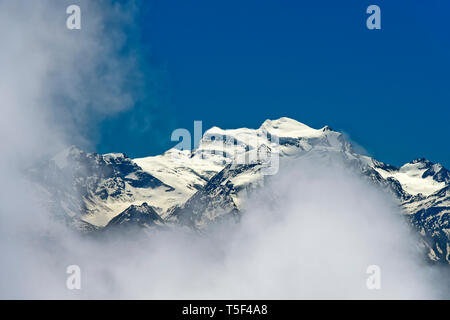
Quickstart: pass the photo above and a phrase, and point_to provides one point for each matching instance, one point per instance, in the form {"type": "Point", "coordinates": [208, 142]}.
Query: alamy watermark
{"type": "Point", "coordinates": [73, 22]}
{"type": "Point", "coordinates": [374, 20]}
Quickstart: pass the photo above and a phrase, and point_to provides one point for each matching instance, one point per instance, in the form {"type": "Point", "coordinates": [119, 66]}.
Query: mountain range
{"type": "Point", "coordinates": [195, 188]}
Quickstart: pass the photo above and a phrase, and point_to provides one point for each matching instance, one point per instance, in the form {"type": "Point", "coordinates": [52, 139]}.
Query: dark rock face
{"type": "Point", "coordinates": [92, 176]}
{"type": "Point", "coordinates": [433, 222]}
{"type": "Point", "coordinates": [108, 177]}
{"type": "Point", "coordinates": [212, 203]}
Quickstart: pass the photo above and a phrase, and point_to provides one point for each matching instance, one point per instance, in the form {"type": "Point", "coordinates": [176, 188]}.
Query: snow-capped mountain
{"type": "Point", "coordinates": [213, 182]}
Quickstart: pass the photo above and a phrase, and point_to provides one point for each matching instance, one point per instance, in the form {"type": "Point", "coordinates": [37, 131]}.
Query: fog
{"type": "Point", "coordinates": [311, 232]}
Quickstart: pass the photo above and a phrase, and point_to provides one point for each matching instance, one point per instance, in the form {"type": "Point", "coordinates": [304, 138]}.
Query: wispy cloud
{"type": "Point", "coordinates": [309, 234]}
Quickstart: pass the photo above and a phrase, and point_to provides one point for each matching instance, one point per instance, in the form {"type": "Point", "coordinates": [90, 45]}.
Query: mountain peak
{"type": "Point", "coordinates": [284, 122]}
{"type": "Point", "coordinates": [136, 215]}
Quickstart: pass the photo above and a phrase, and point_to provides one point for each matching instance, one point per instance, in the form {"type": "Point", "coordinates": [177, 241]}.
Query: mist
{"type": "Point", "coordinates": [311, 232]}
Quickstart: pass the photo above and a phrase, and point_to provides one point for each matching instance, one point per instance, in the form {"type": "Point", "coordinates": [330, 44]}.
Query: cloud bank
{"type": "Point", "coordinates": [55, 86]}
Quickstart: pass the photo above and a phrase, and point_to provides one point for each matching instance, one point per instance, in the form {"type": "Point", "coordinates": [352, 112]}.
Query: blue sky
{"type": "Point", "coordinates": [236, 63]}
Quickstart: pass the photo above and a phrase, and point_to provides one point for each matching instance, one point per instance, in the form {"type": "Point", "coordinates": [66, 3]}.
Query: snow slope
{"type": "Point", "coordinates": [213, 181]}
